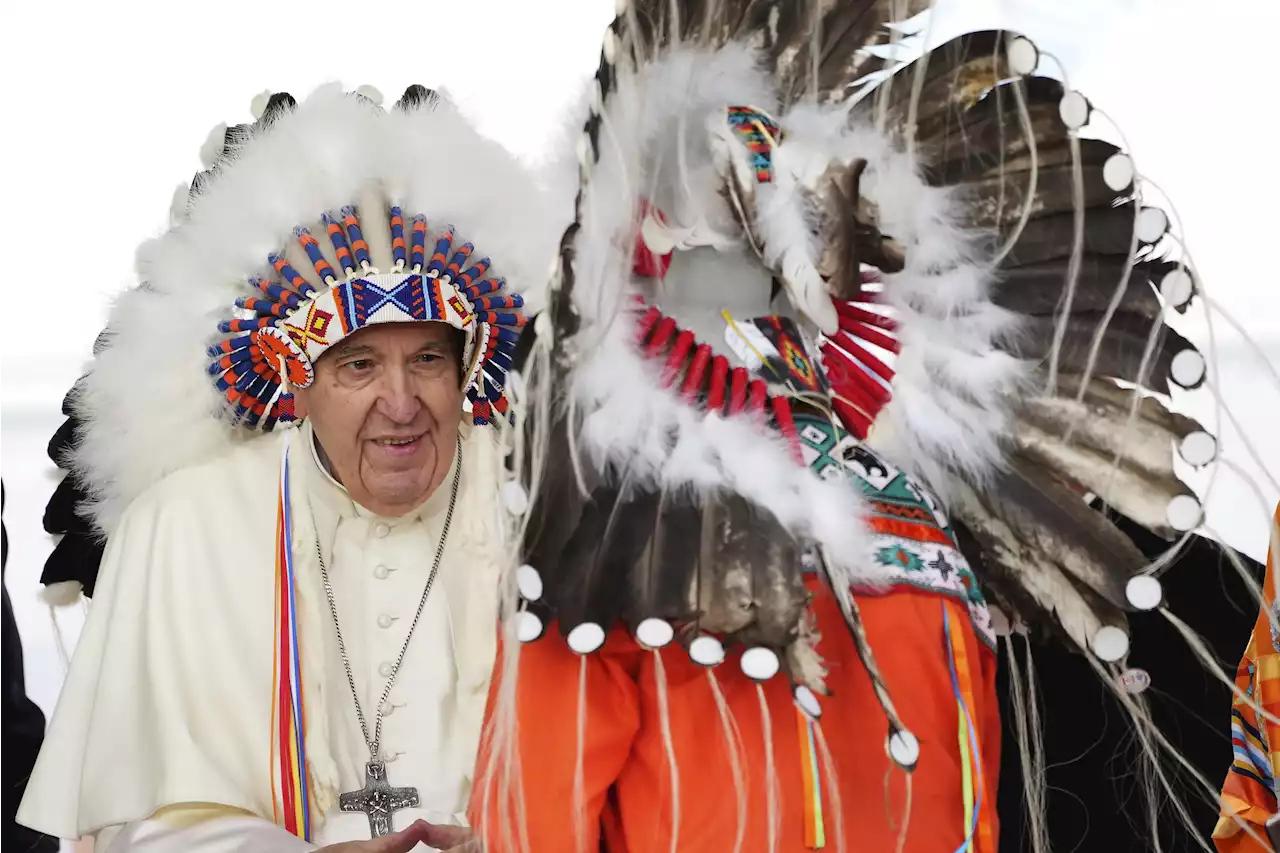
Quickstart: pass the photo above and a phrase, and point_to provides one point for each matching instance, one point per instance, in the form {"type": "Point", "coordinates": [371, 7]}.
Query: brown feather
{"type": "Point", "coordinates": [755, 562]}
{"type": "Point", "coordinates": [1054, 523]}
{"type": "Point", "coordinates": [1129, 463]}
{"type": "Point", "coordinates": [1037, 289]}
{"type": "Point", "coordinates": [1018, 562]}
{"type": "Point", "coordinates": [784, 32]}
{"type": "Point", "coordinates": [845, 29]}
{"type": "Point", "coordinates": [1121, 352]}
{"type": "Point", "coordinates": [1107, 232]}
{"type": "Point", "coordinates": [998, 201]}
{"type": "Point", "coordinates": [556, 509]}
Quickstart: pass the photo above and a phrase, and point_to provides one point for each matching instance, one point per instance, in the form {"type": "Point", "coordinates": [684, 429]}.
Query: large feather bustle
{"type": "Point", "coordinates": [326, 152]}
{"type": "Point", "coordinates": [990, 137]}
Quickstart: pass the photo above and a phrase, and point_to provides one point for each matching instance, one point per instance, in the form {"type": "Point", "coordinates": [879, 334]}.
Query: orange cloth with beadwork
{"type": "Point", "coordinates": [626, 775]}
{"type": "Point", "coordinates": [1249, 793]}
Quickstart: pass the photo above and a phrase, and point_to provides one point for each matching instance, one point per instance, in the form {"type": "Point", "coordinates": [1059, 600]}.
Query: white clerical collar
{"type": "Point", "coordinates": [335, 496]}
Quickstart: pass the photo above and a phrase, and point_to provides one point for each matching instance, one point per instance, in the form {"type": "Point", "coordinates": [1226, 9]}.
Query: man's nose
{"type": "Point", "coordinates": [398, 399]}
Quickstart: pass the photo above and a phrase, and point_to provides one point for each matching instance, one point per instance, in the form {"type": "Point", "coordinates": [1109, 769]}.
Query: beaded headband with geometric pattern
{"type": "Point", "coordinates": [294, 323]}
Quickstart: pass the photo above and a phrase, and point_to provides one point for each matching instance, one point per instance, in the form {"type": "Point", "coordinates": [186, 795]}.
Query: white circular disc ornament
{"type": "Point", "coordinates": [1187, 368]}
{"type": "Point", "coordinates": [1023, 55]}
{"type": "Point", "coordinates": [1178, 287]}
{"type": "Point", "coordinates": [759, 663]}
{"type": "Point", "coordinates": [1144, 592]}
{"type": "Point", "coordinates": [904, 749]}
{"type": "Point", "coordinates": [1110, 644]}
{"type": "Point", "coordinates": [1135, 681]}
{"type": "Point", "coordinates": [707, 651]}
{"type": "Point", "coordinates": [586, 638]}
{"type": "Point", "coordinates": [528, 626]}
{"type": "Point", "coordinates": [655, 633]}
{"type": "Point", "coordinates": [1074, 109]}
{"type": "Point", "coordinates": [1118, 171]}
{"type": "Point", "coordinates": [514, 498]}
{"type": "Point", "coordinates": [529, 582]}
{"type": "Point", "coordinates": [1152, 224]}
{"type": "Point", "coordinates": [1184, 513]}
{"type": "Point", "coordinates": [807, 701]}
{"type": "Point", "coordinates": [1198, 448]}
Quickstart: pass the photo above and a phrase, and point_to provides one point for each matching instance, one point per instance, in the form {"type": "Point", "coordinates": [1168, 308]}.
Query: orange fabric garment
{"type": "Point", "coordinates": [627, 776]}
{"type": "Point", "coordinates": [1249, 792]}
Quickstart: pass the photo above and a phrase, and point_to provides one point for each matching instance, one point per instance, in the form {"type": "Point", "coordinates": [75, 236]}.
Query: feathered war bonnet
{"type": "Point", "coordinates": [319, 219]}
{"type": "Point", "coordinates": [916, 233]}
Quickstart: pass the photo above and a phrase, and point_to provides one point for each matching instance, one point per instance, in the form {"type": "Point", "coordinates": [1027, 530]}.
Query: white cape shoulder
{"type": "Point", "coordinates": [168, 698]}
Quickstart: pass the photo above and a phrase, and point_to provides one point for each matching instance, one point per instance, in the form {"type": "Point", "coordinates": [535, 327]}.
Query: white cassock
{"type": "Point", "coordinates": [162, 736]}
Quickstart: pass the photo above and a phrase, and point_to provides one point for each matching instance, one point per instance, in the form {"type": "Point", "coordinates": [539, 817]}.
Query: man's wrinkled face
{"type": "Point", "coordinates": [385, 405]}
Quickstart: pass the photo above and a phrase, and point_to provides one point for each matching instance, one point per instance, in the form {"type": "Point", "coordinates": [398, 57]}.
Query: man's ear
{"type": "Point", "coordinates": [301, 398]}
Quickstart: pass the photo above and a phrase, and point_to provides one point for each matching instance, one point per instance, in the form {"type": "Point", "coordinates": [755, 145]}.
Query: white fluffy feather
{"type": "Point", "coordinates": [952, 382]}
{"type": "Point", "coordinates": [949, 404]}
{"type": "Point", "coordinates": [948, 409]}
{"type": "Point", "coordinates": [148, 403]}
{"type": "Point", "coordinates": [654, 145]}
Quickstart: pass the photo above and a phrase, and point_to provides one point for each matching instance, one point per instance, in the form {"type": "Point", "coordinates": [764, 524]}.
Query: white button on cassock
{"type": "Point", "coordinates": [381, 573]}
{"type": "Point", "coordinates": [384, 621]}
{"type": "Point", "coordinates": [386, 668]}
{"type": "Point", "coordinates": [386, 708]}
{"type": "Point", "coordinates": [381, 531]}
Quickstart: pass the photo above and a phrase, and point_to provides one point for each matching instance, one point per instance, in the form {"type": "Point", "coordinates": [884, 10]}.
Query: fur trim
{"type": "Point", "coordinates": [148, 404]}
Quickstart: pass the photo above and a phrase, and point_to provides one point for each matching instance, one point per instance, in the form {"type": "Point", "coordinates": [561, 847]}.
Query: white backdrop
{"type": "Point", "coordinates": [108, 103]}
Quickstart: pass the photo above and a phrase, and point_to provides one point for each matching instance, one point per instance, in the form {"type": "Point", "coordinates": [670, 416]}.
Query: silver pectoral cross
{"type": "Point", "coordinates": [377, 799]}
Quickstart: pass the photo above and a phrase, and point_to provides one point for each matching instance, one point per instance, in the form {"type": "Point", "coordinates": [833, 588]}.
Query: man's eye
{"type": "Point", "coordinates": [359, 364]}
{"type": "Point", "coordinates": [428, 357]}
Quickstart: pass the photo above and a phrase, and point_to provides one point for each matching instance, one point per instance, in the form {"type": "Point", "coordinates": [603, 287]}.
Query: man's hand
{"type": "Point", "coordinates": [397, 842]}
{"type": "Point", "coordinates": [451, 838]}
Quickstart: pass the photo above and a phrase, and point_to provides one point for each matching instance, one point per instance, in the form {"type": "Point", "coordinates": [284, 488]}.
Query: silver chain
{"type": "Point", "coordinates": [375, 743]}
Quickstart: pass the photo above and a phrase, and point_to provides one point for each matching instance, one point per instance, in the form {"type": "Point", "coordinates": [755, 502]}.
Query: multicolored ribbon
{"type": "Point", "coordinates": [289, 780]}
{"type": "Point", "coordinates": [815, 830]}
{"type": "Point", "coordinates": [977, 820]}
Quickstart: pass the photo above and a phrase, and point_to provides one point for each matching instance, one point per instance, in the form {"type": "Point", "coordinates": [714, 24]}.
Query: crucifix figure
{"type": "Point", "coordinates": [377, 799]}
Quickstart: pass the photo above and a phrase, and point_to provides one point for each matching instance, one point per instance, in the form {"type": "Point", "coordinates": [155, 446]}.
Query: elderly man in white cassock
{"type": "Point", "coordinates": [291, 438]}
